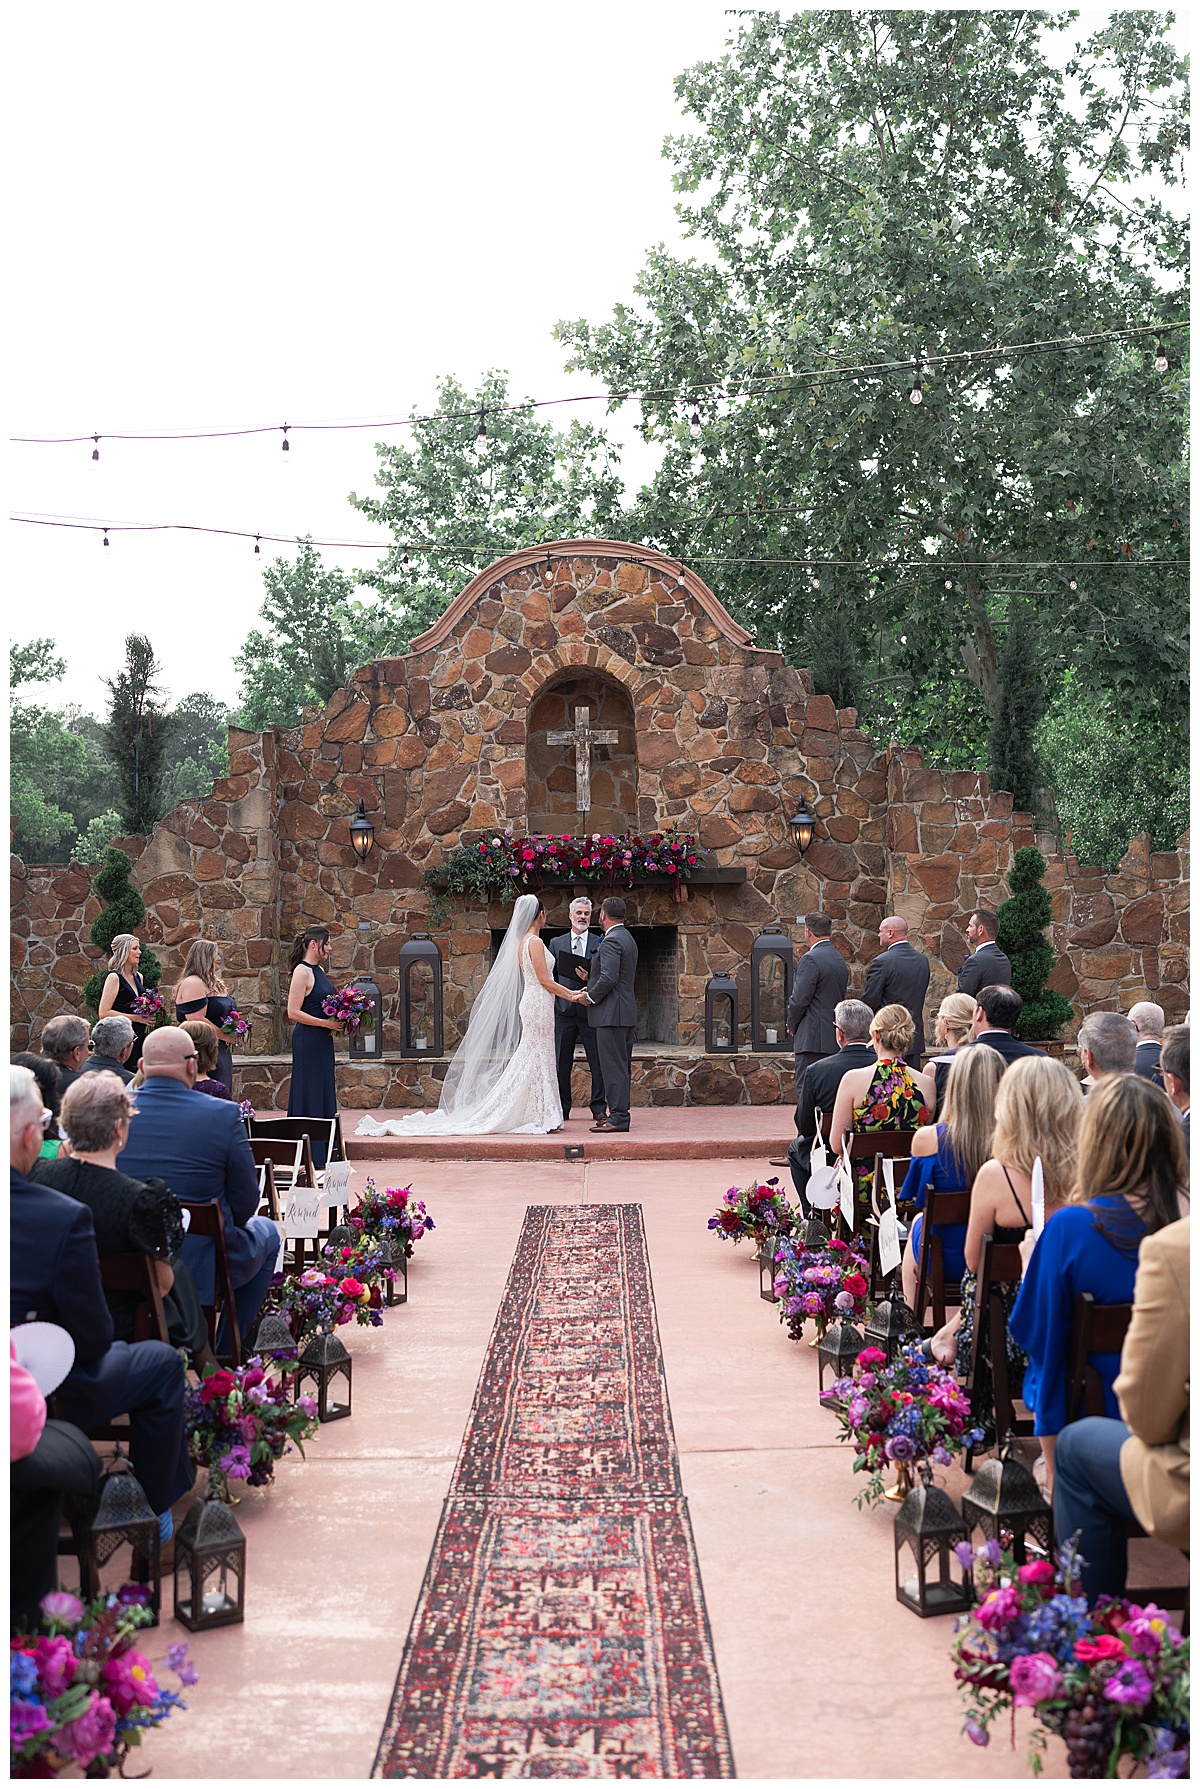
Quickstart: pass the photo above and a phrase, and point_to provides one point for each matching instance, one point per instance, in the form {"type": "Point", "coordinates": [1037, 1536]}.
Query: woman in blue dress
{"type": "Point", "coordinates": [1132, 1171]}
{"type": "Point", "coordinates": [948, 1155]}
{"type": "Point", "coordinates": [313, 1091]}
{"type": "Point", "coordinates": [202, 994]}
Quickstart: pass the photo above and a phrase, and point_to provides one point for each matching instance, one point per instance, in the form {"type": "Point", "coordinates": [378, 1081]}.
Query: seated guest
{"type": "Point", "coordinates": [820, 1082]}
{"type": "Point", "coordinates": [1148, 1020]}
{"type": "Point", "coordinates": [65, 1042]}
{"type": "Point", "coordinates": [947, 1156]}
{"type": "Point", "coordinates": [47, 1074]}
{"type": "Point", "coordinates": [207, 1040]}
{"type": "Point", "coordinates": [997, 1010]}
{"type": "Point", "coordinates": [1107, 1046]}
{"type": "Point", "coordinates": [112, 1043]}
{"type": "Point", "coordinates": [891, 1096]}
{"type": "Point", "coordinates": [1107, 1471]}
{"type": "Point", "coordinates": [987, 965]}
{"type": "Point", "coordinates": [1132, 1173]}
{"type": "Point", "coordinates": [201, 1149]}
{"type": "Point", "coordinates": [47, 1459]}
{"type": "Point", "coordinates": [951, 1033]}
{"type": "Point", "coordinates": [1175, 1066]}
{"type": "Point", "coordinates": [129, 1216]}
{"type": "Point", "coordinates": [54, 1277]}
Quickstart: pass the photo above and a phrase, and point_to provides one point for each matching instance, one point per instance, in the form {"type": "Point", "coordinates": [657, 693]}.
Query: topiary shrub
{"type": "Point", "coordinates": [1022, 937]}
{"type": "Point", "coordinates": [124, 912]}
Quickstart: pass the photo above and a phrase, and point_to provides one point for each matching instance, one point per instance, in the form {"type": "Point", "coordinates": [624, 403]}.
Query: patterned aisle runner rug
{"type": "Point", "coordinates": [561, 1629]}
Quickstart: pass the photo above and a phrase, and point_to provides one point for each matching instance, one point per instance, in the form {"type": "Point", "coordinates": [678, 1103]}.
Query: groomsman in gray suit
{"type": "Point", "coordinates": [819, 984]}
{"type": "Point", "coordinates": [612, 1010]}
{"type": "Point", "coordinates": [899, 974]}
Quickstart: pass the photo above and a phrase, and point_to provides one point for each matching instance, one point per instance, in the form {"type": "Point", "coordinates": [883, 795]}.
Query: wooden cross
{"type": "Point", "coordinates": [584, 736]}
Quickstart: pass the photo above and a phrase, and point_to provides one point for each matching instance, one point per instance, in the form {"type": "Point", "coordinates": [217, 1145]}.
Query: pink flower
{"type": "Point", "coordinates": [129, 1681]}
{"type": "Point", "coordinates": [62, 1607]}
{"type": "Point", "coordinates": [56, 1665]}
{"type": "Point", "coordinates": [999, 1607]}
{"type": "Point", "coordinates": [872, 1357]}
{"type": "Point", "coordinates": [1037, 1571]}
{"type": "Point", "coordinates": [1035, 1677]}
{"type": "Point", "coordinates": [25, 1721]}
{"type": "Point", "coordinates": [86, 1738]}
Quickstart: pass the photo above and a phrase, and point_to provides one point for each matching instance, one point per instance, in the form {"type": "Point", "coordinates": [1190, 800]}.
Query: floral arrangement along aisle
{"type": "Point", "coordinates": [1113, 1681]}
{"type": "Point", "coordinates": [349, 1006]}
{"type": "Point", "coordinates": [826, 1282]}
{"type": "Point", "coordinates": [81, 1695]}
{"type": "Point", "coordinates": [758, 1211]}
{"type": "Point", "coordinates": [239, 1422]}
{"type": "Point", "coordinates": [319, 1301]}
{"type": "Point", "coordinates": [391, 1218]}
{"type": "Point", "coordinates": [911, 1411]}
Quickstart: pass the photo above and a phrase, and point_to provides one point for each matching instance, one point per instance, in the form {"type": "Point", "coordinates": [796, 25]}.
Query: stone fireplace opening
{"type": "Point", "coordinates": [656, 983]}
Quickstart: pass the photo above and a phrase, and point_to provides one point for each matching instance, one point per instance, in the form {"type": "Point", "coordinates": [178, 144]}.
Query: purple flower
{"type": "Point", "coordinates": [258, 1394]}
{"type": "Point", "coordinates": [990, 1551]}
{"type": "Point", "coordinates": [308, 1405]}
{"type": "Point", "coordinates": [1130, 1684]}
{"type": "Point", "coordinates": [812, 1304]}
{"type": "Point", "coordinates": [25, 1721]}
{"type": "Point", "coordinates": [62, 1607]}
{"type": "Point", "coordinates": [963, 1554]}
{"type": "Point", "coordinates": [1167, 1759]}
{"type": "Point", "coordinates": [976, 1734]}
{"type": "Point", "coordinates": [844, 1302]}
{"type": "Point", "coordinates": [941, 1458]}
{"type": "Point", "coordinates": [900, 1448]}
{"type": "Point", "coordinates": [235, 1463]}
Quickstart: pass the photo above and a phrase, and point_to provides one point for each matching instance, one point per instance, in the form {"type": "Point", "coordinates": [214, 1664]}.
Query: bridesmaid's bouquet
{"type": "Point", "coordinates": [349, 1006]}
{"type": "Point", "coordinates": [150, 1006]}
{"type": "Point", "coordinates": [233, 1024]}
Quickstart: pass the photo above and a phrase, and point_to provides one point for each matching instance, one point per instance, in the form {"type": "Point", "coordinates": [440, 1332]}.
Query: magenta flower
{"type": "Point", "coordinates": [1037, 1571]}
{"type": "Point", "coordinates": [999, 1607]}
{"type": "Point", "coordinates": [25, 1721]}
{"type": "Point", "coordinates": [56, 1665]}
{"type": "Point", "coordinates": [1130, 1684]}
{"type": "Point", "coordinates": [129, 1681]}
{"type": "Point", "coordinates": [89, 1736]}
{"type": "Point", "coordinates": [1034, 1677]}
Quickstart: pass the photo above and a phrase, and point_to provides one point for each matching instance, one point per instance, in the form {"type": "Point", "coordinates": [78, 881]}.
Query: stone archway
{"type": "Point", "coordinates": [550, 769]}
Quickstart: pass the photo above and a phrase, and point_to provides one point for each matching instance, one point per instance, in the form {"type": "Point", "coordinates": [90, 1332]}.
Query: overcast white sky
{"type": "Point", "coordinates": [257, 214]}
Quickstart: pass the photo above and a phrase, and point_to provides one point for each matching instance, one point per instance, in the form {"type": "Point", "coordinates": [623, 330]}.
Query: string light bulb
{"type": "Point", "coordinates": [548, 574]}
{"type": "Point", "coordinates": [96, 449]}
{"type": "Point", "coordinates": [404, 559]}
{"type": "Point", "coordinates": [481, 436]}
{"type": "Point", "coordinates": [1074, 584]}
{"type": "Point", "coordinates": [104, 542]}
{"type": "Point", "coordinates": [917, 394]}
{"type": "Point", "coordinates": [257, 548]}
{"type": "Point", "coordinates": [287, 446]}
{"type": "Point", "coordinates": [695, 424]}
{"type": "Point", "coordinates": [680, 583]}
{"type": "Point", "coordinates": [949, 584]}
{"type": "Point", "coordinates": [816, 582]}
{"type": "Point", "coordinates": [1161, 363]}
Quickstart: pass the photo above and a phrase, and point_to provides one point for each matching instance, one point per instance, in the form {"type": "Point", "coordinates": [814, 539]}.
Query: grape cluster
{"type": "Point", "coordinates": [1089, 1728]}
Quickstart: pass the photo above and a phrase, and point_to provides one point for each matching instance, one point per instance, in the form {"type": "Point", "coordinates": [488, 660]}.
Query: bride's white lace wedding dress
{"type": "Point", "coordinates": [524, 1097]}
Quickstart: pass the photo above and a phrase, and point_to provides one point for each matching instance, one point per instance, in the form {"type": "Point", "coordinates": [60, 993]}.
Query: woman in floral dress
{"type": "Point", "coordinates": [889, 1097]}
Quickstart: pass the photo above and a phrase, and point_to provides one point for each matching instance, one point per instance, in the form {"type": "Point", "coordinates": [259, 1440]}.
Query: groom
{"type": "Point", "coordinates": [574, 954]}
{"type": "Point", "coordinates": [612, 1010]}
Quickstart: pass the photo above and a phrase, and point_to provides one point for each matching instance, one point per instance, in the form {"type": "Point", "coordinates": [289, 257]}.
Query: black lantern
{"type": "Point", "coordinates": [1005, 1503]}
{"type": "Point", "coordinates": [395, 1285]}
{"type": "Point", "coordinates": [891, 1323]}
{"type": "Point", "coordinates": [366, 1040]}
{"type": "Point", "coordinates": [766, 1265]}
{"type": "Point", "coordinates": [362, 833]}
{"type": "Point", "coordinates": [420, 966]}
{"type": "Point", "coordinates": [801, 826]}
{"type": "Point", "coordinates": [930, 1577]}
{"type": "Point", "coordinates": [320, 1373]}
{"type": "Point", "coordinates": [124, 1517]}
{"type": "Point", "coordinates": [770, 989]}
{"type": "Point", "coordinates": [275, 1342]}
{"type": "Point", "coordinates": [210, 1567]}
{"type": "Point", "coordinates": [838, 1349]}
{"type": "Point", "coordinates": [721, 1015]}
{"type": "Point", "coordinates": [812, 1234]}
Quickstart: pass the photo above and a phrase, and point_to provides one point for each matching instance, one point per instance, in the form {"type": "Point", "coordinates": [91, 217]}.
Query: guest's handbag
{"type": "Point", "coordinates": [822, 1189]}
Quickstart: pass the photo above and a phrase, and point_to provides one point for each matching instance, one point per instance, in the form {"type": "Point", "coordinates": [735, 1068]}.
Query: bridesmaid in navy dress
{"type": "Point", "coordinates": [202, 994]}
{"type": "Point", "coordinates": [313, 1091]}
{"type": "Point", "coordinates": [122, 987]}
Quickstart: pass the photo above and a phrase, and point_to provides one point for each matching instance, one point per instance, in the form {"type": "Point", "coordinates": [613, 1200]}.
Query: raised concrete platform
{"type": "Point", "coordinates": [656, 1134]}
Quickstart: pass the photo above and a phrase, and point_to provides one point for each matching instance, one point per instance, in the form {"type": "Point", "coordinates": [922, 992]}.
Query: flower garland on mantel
{"type": "Point", "coordinates": [501, 865]}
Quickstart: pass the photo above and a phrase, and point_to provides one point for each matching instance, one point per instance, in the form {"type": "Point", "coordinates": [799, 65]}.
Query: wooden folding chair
{"type": "Point", "coordinates": [939, 1208]}
{"type": "Point", "coordinates": [208, 1220]}
{"type": "Point", "coordinates": [866, 1147]}
{"type": "Point", "coordinates": [287, 1158]}
{"type": "Point", "coordinates": [267, 1191]}
{"type": "Point", "coordinates": [327, 1131]}
{"type": "Point", "coordinates": [133, 1272]}
{"type": "Point", "coordinates": [999, 1267]}
{"type": "Point", "coordinates": [878, 1193]}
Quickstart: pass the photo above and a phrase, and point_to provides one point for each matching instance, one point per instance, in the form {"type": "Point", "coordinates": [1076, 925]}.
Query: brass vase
{"type": "Point", "coordinates": [904, 1483]}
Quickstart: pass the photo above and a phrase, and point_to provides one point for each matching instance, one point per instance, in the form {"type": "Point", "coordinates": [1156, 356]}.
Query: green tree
{"type": "Point", "coordinates": [315, 636]}
{"type": "Point", "coordinates": [1012, 743]}
{"type": "Point", "coordinates": [870, 187]}
{"type": "Point", "coordinates": [42, 753]}
{"type": "Point", "coordinates": [95, 838]}
{"type": "Point", "coordinates": [455, 502]}
{"type": "Point", "coordinates": [136, 735]}
{"type": "Point", "coordinates": [1021, 935]}
{"type": "Point", "coordinates": [836, 659]}
{"type": "Point", "coordinates": [1113, 776]}
{"type": "Point", "coordinates": [124, 911]}
{"type": "Point", "coordinates": [198, 751]}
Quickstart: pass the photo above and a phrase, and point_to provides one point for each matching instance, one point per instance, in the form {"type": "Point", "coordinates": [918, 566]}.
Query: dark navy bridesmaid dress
{"type": "Point", "coordinates": [216, 1008]}
{"type": "Point", "coordinates": [124, 1001]}
{"type": "Point", "coordinates": [313, 1091]}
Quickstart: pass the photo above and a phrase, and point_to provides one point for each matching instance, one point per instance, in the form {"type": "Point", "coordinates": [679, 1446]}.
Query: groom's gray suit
{"type": "Point", "coordinates": [612, 1012]}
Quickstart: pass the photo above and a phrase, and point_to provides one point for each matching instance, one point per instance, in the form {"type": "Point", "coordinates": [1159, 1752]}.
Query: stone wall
{"type": "Point", "coordinates": [725, 740]}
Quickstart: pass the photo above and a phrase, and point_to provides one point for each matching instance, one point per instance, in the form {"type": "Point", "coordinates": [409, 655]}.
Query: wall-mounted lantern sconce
{"type": "Point", "coordinates": [362, 833]}
{"type": "Point", "coordinates": [801, 827]}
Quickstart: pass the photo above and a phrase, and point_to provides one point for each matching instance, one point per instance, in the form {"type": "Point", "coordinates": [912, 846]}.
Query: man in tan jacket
{"type": "Point", "coordinates": [1107, 1473]}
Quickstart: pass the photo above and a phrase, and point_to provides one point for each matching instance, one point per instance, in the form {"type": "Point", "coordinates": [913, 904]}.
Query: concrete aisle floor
{"type": "Point", "coordinates": [823, 1673]}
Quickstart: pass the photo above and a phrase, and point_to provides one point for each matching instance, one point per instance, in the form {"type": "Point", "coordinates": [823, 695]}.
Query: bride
{"type": "Point", "coordinates": [503, 1077]}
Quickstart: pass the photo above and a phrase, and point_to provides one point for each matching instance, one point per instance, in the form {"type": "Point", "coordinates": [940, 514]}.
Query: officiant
{"type": "Point", "coordinates": [573, 952]}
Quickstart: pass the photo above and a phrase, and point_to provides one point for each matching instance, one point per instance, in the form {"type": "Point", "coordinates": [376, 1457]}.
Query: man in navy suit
{"type": "Point", "coordinates": [997, 1010]}
{"type": "Point", "coordinates": [573, 952]}
{"type": "Point", "coordinates": [899, 974]}
{"type": "Point", "coordinates": [54, 1277]}
{"type": "Point", "coordinates": [200, 1148]}
{"type": "Point", "coordinates": [1148, 1020]}
{"type": "Point", "coordinates": [987, 966]}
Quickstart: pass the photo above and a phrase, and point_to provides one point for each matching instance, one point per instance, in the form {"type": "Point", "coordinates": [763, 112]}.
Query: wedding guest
{"type": "Point", "coordinates": [201, 994]}
{"type": "Point", "coordinates": [207, 1040]}
{"type": "Point", "coordinates": [1148, 1020]}
{"type": "Point", "coordinates": [818, 985]}
{"type": "Point", "coordinates": [951, 1033]}
{"type": "Point", "coordinates": [54, 1277]}
{"type": "Point", "coordinates": [47, 1458]}
{"type": "Point", "coordinates": [112, 1041]}
{"type": "Point", "coordinates": [997, 1010]}
{"type": "Point", "coordinates": [948, 1155]}
{"type": "Point", "coordinates": [312, 1091]}
{"type": "Point", "coordinates": [47, 1075]}
{"type": "Point", "coordinates": [987, 966]}
{"type": "Point", "coordinates": [123, 988]}
{"type": "Point", "coordinates": [900, 975]}
{"type": "Point", "coordinates": [1110, 1471]}
{"type": "Point", "coordinates": [1132, 1173]}
{"type": "Point", "coordinates": [201, 1149]}
{"type": "Point", "coordinates": [1175, 1067]}
{"type": "Point", "coordinates": [1107, 1046]}
{"type": "Point", "coordinates": [130, 1216]}
{"type": "Point", "coordinates": [889, 1097]}
{"type": "Point", "coordinates": [65, 1042]}
{"type": "Point", "coordinates": [819, 1087]}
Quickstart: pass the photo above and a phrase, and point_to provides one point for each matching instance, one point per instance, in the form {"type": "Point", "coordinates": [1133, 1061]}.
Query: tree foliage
{"type": "Point", "coordinates": [1113, 776]}
{"type": "Point", "coordinates": [1012, 743]}
{"type": "Point", "coordinates": [1021, 935]}
{"type": "Point", "coordinates": [198, 750]}
{"type": "Point", "coordinates": [42, 752]}
{"type": "Point", "coordinates": [136, 735]}
{"type": "Point", "coordinates": [124, 911]}
{"type": "Point", "coordinates": [869, 188]}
